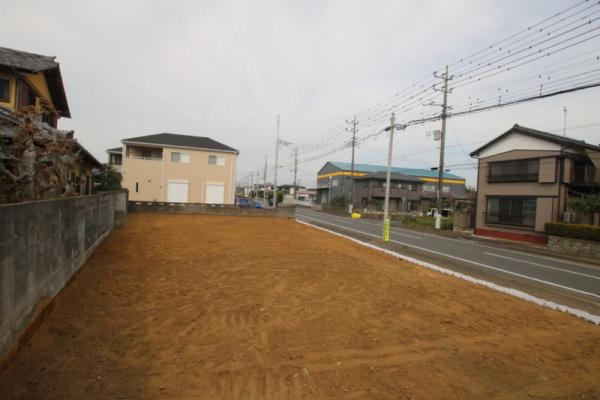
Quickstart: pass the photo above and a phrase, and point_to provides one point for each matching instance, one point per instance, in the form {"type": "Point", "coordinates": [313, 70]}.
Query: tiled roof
{"type": "Point", "coordinates": [9, 126]}
{"type": "Point", "coordinates": [172, 139]}
{"type": "Point", "coordinates": [369, 168]}
{"type": "Point", "coordinates": [34, 63]}
{"type": "Point", "coordinates": [26, 61]}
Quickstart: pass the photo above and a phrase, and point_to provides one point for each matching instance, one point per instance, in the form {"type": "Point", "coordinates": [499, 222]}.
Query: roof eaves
{"type": "Point", "coordinates": [180, 147]}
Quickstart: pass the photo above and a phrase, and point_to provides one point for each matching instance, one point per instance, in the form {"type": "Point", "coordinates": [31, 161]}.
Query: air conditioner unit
{"type": "Point", "coordinates": [568, 216]}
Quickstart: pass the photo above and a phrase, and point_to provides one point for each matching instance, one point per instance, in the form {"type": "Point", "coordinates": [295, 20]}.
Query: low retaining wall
{"type": "Point", "coordinates": [210, 209]}
{"type": "Point", "coordinates": [574, 246]}
{"type": "Point", "coordinates": [42, 245]}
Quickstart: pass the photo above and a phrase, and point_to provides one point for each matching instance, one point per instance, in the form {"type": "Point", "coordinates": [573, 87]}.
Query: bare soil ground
{"type": "Point", "coordinates": [182, 307]}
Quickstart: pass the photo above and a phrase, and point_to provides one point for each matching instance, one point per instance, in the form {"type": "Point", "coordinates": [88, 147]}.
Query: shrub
{"type": "Point", "coordinates": [447, 225]}
{"type": "Point", "coordinates": [575, 231]}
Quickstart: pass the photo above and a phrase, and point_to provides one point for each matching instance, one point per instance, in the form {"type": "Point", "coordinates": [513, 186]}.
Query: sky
{"type": "Point", "coordinates": [225, 69]}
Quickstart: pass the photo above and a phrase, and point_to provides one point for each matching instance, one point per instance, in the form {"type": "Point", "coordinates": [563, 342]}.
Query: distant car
{"type": "Point", "coordinates": [432, 212]}
{"type": "Point", "coordinates": [245, 202]}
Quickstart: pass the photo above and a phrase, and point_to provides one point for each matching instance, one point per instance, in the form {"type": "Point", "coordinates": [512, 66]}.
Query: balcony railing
{"type": "Point", "coordinates": [145, 158]}
{"type": "Point", "coordinates": [513, 178]}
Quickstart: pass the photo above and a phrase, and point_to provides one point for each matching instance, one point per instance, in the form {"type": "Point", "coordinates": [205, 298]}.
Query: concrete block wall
{"type": "Point", "coordinates": [42, 245]}
{"type": "Point", "coordinates": [210, 209]}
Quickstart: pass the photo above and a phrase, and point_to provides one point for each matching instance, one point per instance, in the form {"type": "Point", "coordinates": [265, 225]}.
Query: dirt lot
{"type": "Point", "coordinates": [180, 306]}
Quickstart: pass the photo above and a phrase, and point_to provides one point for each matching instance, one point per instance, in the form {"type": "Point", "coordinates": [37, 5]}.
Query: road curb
{"type": "Point", "coordinates": [513, 292]}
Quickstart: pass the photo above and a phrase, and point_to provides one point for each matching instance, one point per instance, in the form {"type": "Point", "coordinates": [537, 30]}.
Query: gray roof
{"type": "Point", "coordinates": [172, 139]}
{"type": "Point", "coordinates": [561, 140]}
{"type": "Point", "coordinates": [26, 61]}
{"type": "Point", "coordinates": [34, 63]}
{"type": "Point", "coordinates": [9, 124]}
{"type": "Point", "coordinates": [393, 176]}
{"type": "Point", "coordinates": [118, 150]}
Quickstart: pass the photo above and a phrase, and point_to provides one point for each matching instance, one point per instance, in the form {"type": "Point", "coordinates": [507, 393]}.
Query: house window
{"type": "Point", "coordinates": [216, 160]}
{"type": "Point", "coordinates": [137, 187]}
{"type": "Point", "coordinates": [445, 189]}
{"type": "Point", "coordinates": [146, 154]}
{"type": "Point", "coordinates": [365, 184]}
{"type": "Point", "coordinates": [429, 188]}
{"type": "Point", "coordinates": [518, 211]}
{"type": "Point", "coordinates": [4, 89]}
{"type": "Point", "coordinates": [180, 157]}
{"type": "Point", "coordinates": [335, 182]}
{"type": "Point", "coordinates": [411, 187]}
{"type": "Point", "coordinates": [514, 171]}
{"type": "Point", "coordinates": [116, 159]}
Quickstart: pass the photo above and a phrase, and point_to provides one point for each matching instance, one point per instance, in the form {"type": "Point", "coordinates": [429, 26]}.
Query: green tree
{"type": "Point", "coordinates": [107, 179]}
{"type": "Point", "coordinates": [585, 205]}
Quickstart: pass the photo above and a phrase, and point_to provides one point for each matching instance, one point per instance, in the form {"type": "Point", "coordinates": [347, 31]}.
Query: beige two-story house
{"type": "Point", "coordinates": [526, 178]}
{"type": "Point", "coordinates": [173, 168]}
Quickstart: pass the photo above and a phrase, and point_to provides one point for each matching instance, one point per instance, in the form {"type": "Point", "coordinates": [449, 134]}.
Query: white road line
{"type": "Point", "coordinates": [544, 266]}
{"type": "Point", "coordinates": [513, 292]}
{"type": "Point", "coordinates": [472, 243]}
{"type": "Point", "coordinates": [465, 260]}
{"type": "Point", "coordinates": [379, 225]}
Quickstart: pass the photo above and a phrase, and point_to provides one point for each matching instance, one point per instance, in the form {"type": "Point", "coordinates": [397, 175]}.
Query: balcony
{"type": "Point", "coordinates": [527, 177]}
{"type": "Point", "coordinates": [144, 153]}
{"type": "Point", "coordinates": [145, 158]}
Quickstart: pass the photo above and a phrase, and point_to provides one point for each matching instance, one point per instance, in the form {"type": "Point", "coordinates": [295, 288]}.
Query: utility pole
{"type": "Point", "coordinates": [276, 165]}
{"type": "Point", "coordinates": [265, 181]}
{"type": "Point", "coordinates": [251, 184]}
{"type": "Point", "coordinates": [565, 121]}
{"type": "Point", "coordinates": [438, 217]}
{"type": "Point", "coordinates": [295, 170]}
{"type": "Point", "coordinates": [256, 185]}
{"type": "Point", "coordinates": [354, 123]}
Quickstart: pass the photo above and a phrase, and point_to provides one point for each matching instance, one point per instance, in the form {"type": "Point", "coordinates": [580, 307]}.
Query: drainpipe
{"type": "Point", "coordinates": [162, 178]}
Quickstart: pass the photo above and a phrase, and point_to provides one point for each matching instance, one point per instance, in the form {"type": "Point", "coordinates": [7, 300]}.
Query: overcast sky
{"type": "Point", "coordinates": [225, 69]}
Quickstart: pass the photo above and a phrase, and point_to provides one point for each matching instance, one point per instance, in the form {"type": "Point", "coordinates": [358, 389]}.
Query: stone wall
{"type": "Point", "coordinates": [42, 245]}
{"type": "Point", "coordinates": [574, 246]}
{"type": "Point", "coordinates": [210, 209]}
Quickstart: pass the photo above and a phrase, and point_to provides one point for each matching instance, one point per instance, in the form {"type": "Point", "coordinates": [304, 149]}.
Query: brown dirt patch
{"type": "Point", "coordinates": [182, 306]}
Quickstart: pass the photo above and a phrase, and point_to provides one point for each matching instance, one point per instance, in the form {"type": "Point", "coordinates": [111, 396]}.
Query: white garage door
{"type": "Point", "coordinates": [215, 193]}
{"type": "Point", "coordinates": [178, 192]}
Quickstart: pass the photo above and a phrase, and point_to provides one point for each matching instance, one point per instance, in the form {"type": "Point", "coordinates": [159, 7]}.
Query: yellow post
{"type": "Point", "coordinates": [386, 230]}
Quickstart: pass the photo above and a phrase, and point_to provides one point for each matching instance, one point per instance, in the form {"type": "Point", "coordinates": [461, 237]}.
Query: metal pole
{"type": "Point", "coordinates": [438, 217]}
{"type": "Point", "coordinates": [276, 166]}
{"type": "Point", "coordinates": [388, 178]}
{"type": "Point", "coordinates": [265, 182]}
{"type": "Point", "coordinates": [295, 170]}
{"type": "Point", "coordinates": [565, 121]}
{"type": "Point", "coordinates": [354, 123]}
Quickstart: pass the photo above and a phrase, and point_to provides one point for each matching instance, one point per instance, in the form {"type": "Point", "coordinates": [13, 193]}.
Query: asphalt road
{"type": "Point", "coordinates": [573, 278]}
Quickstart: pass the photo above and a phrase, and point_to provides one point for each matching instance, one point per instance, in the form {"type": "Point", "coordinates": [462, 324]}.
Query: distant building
{"type": "Point", "coordinates": [167, 167]}
{"type": "Point", "coordinates": [115, 158]}
{"type": "Point", "coordinates": [526, 178]}
{"type": "Point", "coordinates": [412, 188]}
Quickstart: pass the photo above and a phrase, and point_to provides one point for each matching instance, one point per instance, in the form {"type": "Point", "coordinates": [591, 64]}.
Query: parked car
{"type": "Point", "coordinates": [432, 212]}
{"type": "Point", "coordinates": [245, 202]}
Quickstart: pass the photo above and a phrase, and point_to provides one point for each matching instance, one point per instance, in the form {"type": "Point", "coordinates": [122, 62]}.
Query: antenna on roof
{"type": "Point", "coordinates": [565, 121]}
